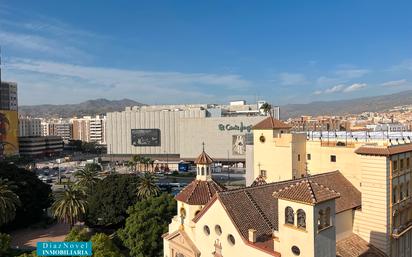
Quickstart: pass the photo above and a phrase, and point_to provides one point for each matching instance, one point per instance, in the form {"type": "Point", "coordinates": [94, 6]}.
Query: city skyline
{"type": "Point", "coordinates": [209, 52]}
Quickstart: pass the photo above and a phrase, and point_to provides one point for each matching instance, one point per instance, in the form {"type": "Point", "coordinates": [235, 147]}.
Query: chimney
{"type": "Point", "coordinates": [252, 235]}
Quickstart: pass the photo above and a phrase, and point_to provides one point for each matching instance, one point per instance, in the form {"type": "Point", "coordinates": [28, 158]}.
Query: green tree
{"type": "Point", "coordinates": [77, 234]}
{"type": "Point", "coordinates": [103, 246]}
{"type": "Point", "coordinates": [88, 176]}
{"type": "Point", "coordinates": [147, 186]}
{"type": "Point", "coordinates": [110, 199]}
{"type": "Point", "coordinates": [146, 223]}
{"type": "Point", "coordinates": [34, 195]}
{"type": "Point", "coordinates": [5, 241]}
{"type": "Point", "coordinates": [70, 205]}
{"type": "Point", "coordinates": [8, 201]}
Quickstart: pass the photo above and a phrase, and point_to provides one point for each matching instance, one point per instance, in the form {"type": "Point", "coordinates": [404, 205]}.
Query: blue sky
{"type": "Point", "coordinates": [205, 51]}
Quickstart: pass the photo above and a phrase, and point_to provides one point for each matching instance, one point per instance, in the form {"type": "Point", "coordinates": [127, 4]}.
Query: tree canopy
{"type": "Point", "coordinates": [8, 201]}
{"type": "Point", "coordinates": [147, 221]}
{"type": "Point", "coordinates": [34, 195]}
{"type": "Point", "coordinates": [110, 199]}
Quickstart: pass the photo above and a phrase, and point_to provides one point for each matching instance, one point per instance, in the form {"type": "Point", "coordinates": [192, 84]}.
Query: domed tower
{"type": "Point", "coordinates": [195, 195]}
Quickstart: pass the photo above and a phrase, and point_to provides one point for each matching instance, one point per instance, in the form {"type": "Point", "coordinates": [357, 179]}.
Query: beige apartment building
{"type": "Point", "coordinates": [310, 197]}
{"type": "Point", "coordinates": [90, 129]}
{"type": "Point", "coordinates": [380, 169]}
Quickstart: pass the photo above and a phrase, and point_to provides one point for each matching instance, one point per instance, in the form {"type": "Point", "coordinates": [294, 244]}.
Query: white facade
{"type": "Point", "coordinates": [30, 127]}
{"type": "Point", "coordinates": [183, 129]}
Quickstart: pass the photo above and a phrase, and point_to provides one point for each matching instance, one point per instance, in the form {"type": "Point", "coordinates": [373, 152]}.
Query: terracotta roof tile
{"type": "Point", "coordinates": [355, 246]}
{"type": "Point", "coordinates": [384, 151]}
{"type": "Point", "coordinates": [203, 158]}
{"type": "Point", "coordinates": [255, 207]}
{"type": "Point", "coordinates": [271, 123]}
{"type": "Point", "coordinates": [306, 191]}
{"type": "Point", "coordinates": [260, 180]}
{"type": "Point", "coordinates": [199, 192]}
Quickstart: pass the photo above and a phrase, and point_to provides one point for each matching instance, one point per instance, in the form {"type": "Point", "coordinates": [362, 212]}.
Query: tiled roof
{"type": "Point", "coordinates": [255, 207]}
{"type": "Point", "coordinates": [306, 191]}
{"type": "Point", "coordinates": [355, 246]}
{"type": "Point", "coordinates": [260, 180]}
{"type": "Point", "coordinates": [199, 192]}
{"type": "Point", "coordinates": [203, 158]}
{"type": "Point", "coordinates": [271, 123]}
{"type": "Point", "coordinates": [384, 151]}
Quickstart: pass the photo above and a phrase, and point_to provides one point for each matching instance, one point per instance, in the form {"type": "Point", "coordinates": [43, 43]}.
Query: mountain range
{"type": "Point", "coordinates": [340, 107]}
{"type": "Point", "coordinates": [351, 106]}
{"type": "Point", "coordinates": [90, 107]}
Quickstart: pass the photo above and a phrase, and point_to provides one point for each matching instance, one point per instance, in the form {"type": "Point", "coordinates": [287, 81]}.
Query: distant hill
{"type": "Point", "coordinates": [90, 107]}
{"type": "Point", "coordinates": [352, 106]}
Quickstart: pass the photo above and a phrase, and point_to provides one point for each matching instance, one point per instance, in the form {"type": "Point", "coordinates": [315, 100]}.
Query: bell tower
{"type": "Point", "coordinates": [204, 166]}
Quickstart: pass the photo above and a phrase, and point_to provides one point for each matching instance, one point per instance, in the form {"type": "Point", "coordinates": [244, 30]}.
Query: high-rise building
{"type": "Point", "coordinates": [9, 127]}
{"type": "Point", "coordinates": [8, 96]}
{"type": "Point", "coordinates": [90, 129]}
{"type": "Point", "coordinates": [29, 127]}
{"type": "Point", "coordinates": [62, 129]}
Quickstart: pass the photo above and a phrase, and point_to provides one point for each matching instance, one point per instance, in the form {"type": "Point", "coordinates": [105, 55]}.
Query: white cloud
{"type": "Point", "coordinates": [341, 88]}
{"type": "Point", "coordinates": [395, 83]}
{"type": "Point", "coordinates": [61, 80]}
{"type": "Point", "coordinates": [351, 73]}
{"type": "Point", "coordinates": [292, 79]}
{"type": "Point", "coordinates": [334, 89]}
{"type": "Point", "coordinates": [354, 87]}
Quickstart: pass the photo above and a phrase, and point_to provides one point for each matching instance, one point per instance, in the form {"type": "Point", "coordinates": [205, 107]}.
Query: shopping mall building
{"type": "Point", "coordinates": [178, 131]}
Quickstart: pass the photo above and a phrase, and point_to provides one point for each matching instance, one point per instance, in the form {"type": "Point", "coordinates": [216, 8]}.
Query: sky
{"type": "Point", "coordinates": [161, 52]}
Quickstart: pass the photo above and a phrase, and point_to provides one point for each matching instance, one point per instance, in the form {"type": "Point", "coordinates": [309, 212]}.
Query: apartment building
{"type": "Point", "coordinates": [29, 127]}
{"type": "Point", "coordinates": [90, 129]}
{"type": "Point", "coordinates": [379, 167]}
{"type": "Point", "coordinates": [8, 96]}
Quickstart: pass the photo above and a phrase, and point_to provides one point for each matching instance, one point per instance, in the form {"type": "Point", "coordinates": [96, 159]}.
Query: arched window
{"type": "Point", "coordinates": [301, 219]}
{"type": "Point", "coordinates": [203, 171]}
{"type": "Point", "coordinates": [327, 217]}
{"type": "Point", "coordinates": [289, 216]}
{"type": "Point", "coordinates": [321, 219]}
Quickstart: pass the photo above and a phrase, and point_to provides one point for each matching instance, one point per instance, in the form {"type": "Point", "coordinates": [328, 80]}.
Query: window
{"type": "Point", "coordinates": [289, 216]}
{"type": "Point", "coordinates": [218, 230]}
{"type": "Point", "coordinates": [309, 157]}
{"type": "Point", "coordinates": [203, 171]}
{"type": "Point", "coordinates": [298, 157]}
{"type": "Point", "coordinates": [395, 165]}
{"type": "Point", "coordinates": [231, 239]}
{"type": "Point", "coordinates": [263, 173]}
{"type": "Point", "coordinates": [295, 250]}
{"type": "Point", "coordinates": [395, 195]}
{"type": "Point", "coordinates": [198, 171]}
{"type": "Point", "coordinates": [301, 219]}
{"type": "Point", "coordinates": [327, 217]}
{"type": "Point", "coordinates": [333, 158]}
{"type": "Point", "coordinates": [407, 189]}
{"type": "Point", "coordinates": [321, 219]}
{"type": "Point", "coordinates": [407, 163]}
{"type": "Point", "coordinates": [206, 230]}
{"type": "Point", "coordinates": [401, 192]}
{"type": "Point", "coordinates": [401, 164]}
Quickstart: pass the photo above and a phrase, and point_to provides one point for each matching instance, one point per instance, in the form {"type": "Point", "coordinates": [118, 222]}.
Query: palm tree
{"type": "Point", "coordinates": [70, 205]}
{"type": "Point", "coordinates": [136, 160]}
{"type": "Point", "coordinates": [87, 177]}
{"type": "Point", "coordinates": [267, 108]}
{"type": "Point", "coordinates": [8, 201]}
{"type": "Point", "coordinates": [147, 186]}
